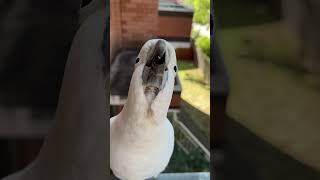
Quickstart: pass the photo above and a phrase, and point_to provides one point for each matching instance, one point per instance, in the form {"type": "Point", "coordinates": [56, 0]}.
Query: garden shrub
{"type": "Point", "coordinates": [203, 42]}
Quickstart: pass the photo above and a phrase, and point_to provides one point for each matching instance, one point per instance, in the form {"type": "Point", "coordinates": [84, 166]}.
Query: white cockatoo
{"type": "Point", "coordinates": [141, 136]}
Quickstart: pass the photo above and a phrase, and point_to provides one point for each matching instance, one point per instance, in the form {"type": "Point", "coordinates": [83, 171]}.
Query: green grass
{"type": "Point", "coordinates": [269, 94]}
{"type": "Point", "coordinates": [194, 90]}
{"type": "Point", "coordinates": [181, 162]}
{"type": "Point", "coordinates": [194, 161]}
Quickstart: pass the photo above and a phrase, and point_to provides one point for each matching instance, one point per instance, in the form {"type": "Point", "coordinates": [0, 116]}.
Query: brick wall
{"type": "Point", "coordinates": [132, 23]}
{"type": "Point", "coordinates": [115, 27]}
{"type": "Point", "coordinates": [174, 27]}
{"type": "Point", "coordinates": [139, 21]}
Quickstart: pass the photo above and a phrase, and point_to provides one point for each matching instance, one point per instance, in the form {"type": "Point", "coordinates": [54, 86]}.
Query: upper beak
{"type": "Point", "coordinates": [157, 55]}
{"type": "Point", "coordinates": [154, 73]}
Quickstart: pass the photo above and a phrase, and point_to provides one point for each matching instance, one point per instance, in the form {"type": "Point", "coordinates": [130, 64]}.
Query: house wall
{"type": "Point", "coordinates": [139, 22]}
{"type": "Point", "coordinates": [115, 27]}
{"type": "Point", "coordinates": [133, 22]}
{"type": "Point", "coordinates": [174, 27]}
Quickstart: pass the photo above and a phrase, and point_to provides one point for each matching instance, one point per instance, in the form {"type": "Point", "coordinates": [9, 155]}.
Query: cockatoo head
{"type": "Point", "coordinates": [154, 75]}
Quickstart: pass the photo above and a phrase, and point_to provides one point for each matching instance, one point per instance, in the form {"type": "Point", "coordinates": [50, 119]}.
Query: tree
{"type": "Point", "coordinates": [201, 9]}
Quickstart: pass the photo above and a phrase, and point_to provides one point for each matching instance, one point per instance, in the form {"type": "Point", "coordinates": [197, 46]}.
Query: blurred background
{"type": "Point", "coordinates": [35, 39]}
{"type": "Point", "coordinates": [266, 55]}
{"type": "Point", "coordinates": [186, 25]}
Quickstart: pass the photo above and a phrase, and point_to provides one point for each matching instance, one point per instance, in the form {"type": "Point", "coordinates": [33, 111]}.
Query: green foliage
{"type": "Point", "coordinates": [201, 10]}
{"type": "Point", "coordinates": [192, 162]}
{"type": "Point", "coordinates": [194, 33]}
{"type": "Point", "coordinates": [203, 42]}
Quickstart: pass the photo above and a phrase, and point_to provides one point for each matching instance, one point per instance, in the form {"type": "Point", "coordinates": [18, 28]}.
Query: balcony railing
{"type": "Point", "coordinates": [185, 138]}
{"type": "Point", "coordinates": [185, 176]}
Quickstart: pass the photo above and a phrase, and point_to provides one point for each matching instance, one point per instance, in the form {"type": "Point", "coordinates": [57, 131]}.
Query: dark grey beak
{"type": "Point", "coordinates": [157, 55]}
{"type": "Point", "coordinates": [154, 73]}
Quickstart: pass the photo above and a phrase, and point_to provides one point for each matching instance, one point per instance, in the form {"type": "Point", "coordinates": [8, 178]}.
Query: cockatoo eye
{"type": "Point", "coordinates": [137, 60]}
{"type": "Point", "coordinates": [166, 69]}
{"type": "Point", "coordinates": [175, 69]}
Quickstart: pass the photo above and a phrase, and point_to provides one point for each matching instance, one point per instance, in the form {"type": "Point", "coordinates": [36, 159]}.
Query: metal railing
{"type": "Point", "coordinates": [185, 176]}
{"type": "Point", "coordinates": [185, 138]}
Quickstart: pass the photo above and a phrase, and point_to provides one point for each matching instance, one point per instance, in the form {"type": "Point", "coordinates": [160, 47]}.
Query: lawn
{"type": "Point", "coordinates": [195, 104]}
{"type": "Point", "coordinates": [194, 90]}
{"type": "Point", "coordinates": [195, 114]}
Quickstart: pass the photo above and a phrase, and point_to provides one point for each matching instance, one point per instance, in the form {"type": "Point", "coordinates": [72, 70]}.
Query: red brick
{"type": "Point", "coordinates": [174, 26]}
{"type": "Point", "coordinates": [138, 21]}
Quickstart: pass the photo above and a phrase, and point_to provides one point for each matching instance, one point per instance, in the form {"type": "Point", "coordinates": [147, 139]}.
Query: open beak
{"type": "Point", "coordinates": [154, 74]}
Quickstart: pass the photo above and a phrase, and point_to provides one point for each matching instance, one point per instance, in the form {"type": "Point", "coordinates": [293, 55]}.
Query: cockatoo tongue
{"type": "Point", "coordinates": [151, 92]}
{"type": "Point", "coordinates": [154, 74]}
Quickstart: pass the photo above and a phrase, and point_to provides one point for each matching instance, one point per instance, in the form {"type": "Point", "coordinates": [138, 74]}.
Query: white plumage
{"type": "Point", "coordinates": [141, 136]}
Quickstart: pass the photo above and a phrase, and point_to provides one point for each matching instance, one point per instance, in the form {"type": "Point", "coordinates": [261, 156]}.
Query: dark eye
{"type": "Point", "coordinates": [175, 69]}
{"type": "Point", "coordinates": [137, 60]}
{"type": "Point", "coordinates": [166, 69]}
